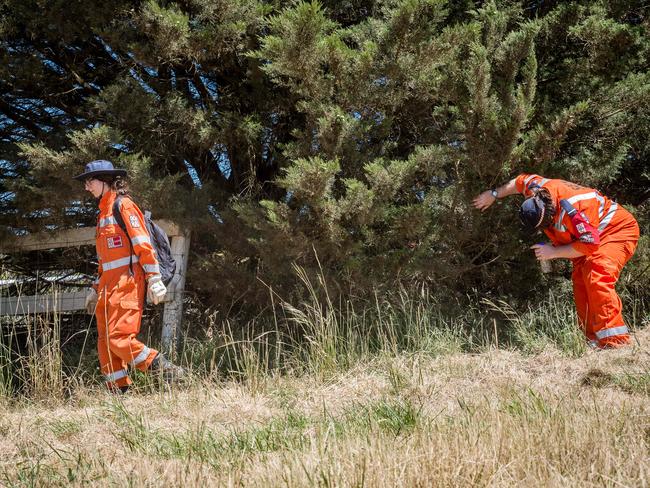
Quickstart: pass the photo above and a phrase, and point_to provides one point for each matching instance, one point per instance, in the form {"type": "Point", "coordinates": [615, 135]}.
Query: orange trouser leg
{"type": "Point", "coordinates": [600, 272]}
{"type": "Point", "coordinates": [119, 313]}
{"type": "Point", "coordinates": [581, 300]}
{"type": "Point", "coordinates": [111, 365]}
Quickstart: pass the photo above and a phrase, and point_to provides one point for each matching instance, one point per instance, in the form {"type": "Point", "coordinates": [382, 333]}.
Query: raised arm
{"type": "Point", "coordinates": [488, 197]}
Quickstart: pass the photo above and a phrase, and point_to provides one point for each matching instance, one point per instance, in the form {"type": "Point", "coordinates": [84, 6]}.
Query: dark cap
{"type": "Point", "coordinates": [531, 213]}
{"type": "Point", "coordinates": [100, 168]}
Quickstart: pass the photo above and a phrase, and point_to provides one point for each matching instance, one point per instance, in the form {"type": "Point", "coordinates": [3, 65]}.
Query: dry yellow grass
{"type": "Point", "coordinates": [499, 418]}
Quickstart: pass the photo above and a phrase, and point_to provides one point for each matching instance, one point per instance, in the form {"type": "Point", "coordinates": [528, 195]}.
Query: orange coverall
{"type": "Point", "coordinates": [121, 293]}
{"type": "Point", "coordinates": [607, 235]}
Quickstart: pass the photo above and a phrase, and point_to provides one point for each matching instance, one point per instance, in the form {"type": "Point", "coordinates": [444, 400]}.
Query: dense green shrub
{"type": "Point", "coordinates": [343, 136]}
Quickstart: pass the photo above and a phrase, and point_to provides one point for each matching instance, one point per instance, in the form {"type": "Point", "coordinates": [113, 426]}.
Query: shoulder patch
{"type": "Point", "coordinates": [134, 221]}
{"type": "Point", "coordinates": [114, 241]}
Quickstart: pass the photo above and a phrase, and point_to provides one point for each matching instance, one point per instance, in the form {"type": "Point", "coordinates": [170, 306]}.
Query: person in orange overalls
{"type": "Point", "coordinates": [128, 269]}
{"type": "Point", "coordinates": [598, 235]}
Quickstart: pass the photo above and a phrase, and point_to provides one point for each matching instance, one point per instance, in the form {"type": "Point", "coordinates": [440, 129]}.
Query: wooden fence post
{"type": "Point", "coordinates": [173, 312]}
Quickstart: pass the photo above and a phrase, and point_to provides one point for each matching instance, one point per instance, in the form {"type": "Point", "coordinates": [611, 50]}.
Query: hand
{"type": "Point", "coordinates": [91, 302]}
{"type": "Point", "coordinates": [543, 252]}
{"type": "Point", "coordinates": [484, 200]}
{"type": "Point", "coordinates": [156, 290]}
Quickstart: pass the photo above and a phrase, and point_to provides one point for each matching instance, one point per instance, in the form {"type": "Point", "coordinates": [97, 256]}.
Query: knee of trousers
{"type": "Point", "coordinates": [121, 325]}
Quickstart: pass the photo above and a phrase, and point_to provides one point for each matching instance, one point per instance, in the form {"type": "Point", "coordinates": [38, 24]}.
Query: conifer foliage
{"type": "Point", "coordinates": [346, 137]}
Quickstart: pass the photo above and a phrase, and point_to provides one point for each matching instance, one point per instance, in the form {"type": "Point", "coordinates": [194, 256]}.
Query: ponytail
{"type": "Point", "coordinates": [118, 184]}
{"type": "Point", "coordinates": [549, 207]}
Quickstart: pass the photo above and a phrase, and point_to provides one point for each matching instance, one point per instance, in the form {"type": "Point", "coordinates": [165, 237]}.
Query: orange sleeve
{"type": "Point", "coordinates": [519, 182]}
{"type": "Point", "coordinates": [100, 268]}
{"type": "Point", "coordinates": [95, 284]}
{"type": "Point", "coordinates": [139, 235]}
{"type": "Point", "coordinates": [585, 249]}
{"type": "Point", "coordinates": [523, 183]}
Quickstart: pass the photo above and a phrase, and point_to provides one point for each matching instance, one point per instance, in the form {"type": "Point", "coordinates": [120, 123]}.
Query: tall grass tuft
{"type": "Point", "coordinates": [551, 322]}
{"type": "Point", "coordinates": [330, 337]}
{"type": "Point", "coordinates": [43, 363]}
{"type": "Point", "coordinates": [31, 358]}
{"type": "Point", "coordinates": [6, 364]}
{"type": "Point", "coordinates": [318, 336]}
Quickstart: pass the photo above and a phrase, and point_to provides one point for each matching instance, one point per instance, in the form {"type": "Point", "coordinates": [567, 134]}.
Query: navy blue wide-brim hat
{"type": "Point", "coordinates": [100, 167]}
{"type": "Point", "coordinates": [531, 213]}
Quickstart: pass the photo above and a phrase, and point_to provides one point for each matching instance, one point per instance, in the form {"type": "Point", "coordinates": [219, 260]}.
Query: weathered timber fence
{"type": "Point", "coordinates": [71, 301]}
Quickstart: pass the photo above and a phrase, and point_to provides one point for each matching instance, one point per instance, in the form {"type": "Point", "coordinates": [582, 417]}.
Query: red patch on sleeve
{"type": "Point", "coordinates": [587, 233]}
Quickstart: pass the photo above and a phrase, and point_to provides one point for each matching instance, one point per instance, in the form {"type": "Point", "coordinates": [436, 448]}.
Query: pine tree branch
{"type": "Point", "coordinates": [207, 100]}
{"type": "Point", "coordinates": [25, 122]}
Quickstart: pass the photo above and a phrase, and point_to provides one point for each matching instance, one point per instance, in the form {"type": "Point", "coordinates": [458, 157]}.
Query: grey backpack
{"type": "Point", "coordinates": [159, 242]}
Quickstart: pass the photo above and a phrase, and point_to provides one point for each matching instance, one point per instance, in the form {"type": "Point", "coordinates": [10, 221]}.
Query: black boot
{"type": "Point", "coordinates": [169, 372]}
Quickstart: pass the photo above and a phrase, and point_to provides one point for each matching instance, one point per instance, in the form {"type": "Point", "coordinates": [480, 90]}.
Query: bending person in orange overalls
{"type": "Point", "coordinates": [597, 234]}
{"type": "Point", "coordinates": [126, 271]}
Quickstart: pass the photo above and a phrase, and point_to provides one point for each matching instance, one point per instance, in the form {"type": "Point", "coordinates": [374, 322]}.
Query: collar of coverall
{"type": "Point", "coordinates": [106, 201]}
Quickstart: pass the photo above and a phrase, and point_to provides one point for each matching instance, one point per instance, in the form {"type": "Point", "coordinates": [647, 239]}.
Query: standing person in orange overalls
{"type": "Point", "coordinates": [597, 234]}
{"type": "Point", "coordinates": [128, 269]}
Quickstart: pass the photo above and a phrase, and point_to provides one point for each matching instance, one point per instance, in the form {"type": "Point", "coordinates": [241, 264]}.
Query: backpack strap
{"type": "Point", "coordinates": [568, 208]}
{"type": "Point", "coordinates": [117, 215]}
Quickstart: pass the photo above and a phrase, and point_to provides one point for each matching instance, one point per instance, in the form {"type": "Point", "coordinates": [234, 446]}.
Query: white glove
{"type": "Point", "coordinates": [156, 291]}
{"type": "Point", "coordinates": [91, 302]}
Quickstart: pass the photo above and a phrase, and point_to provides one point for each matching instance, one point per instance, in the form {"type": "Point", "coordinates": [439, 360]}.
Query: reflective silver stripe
{"type": "Point", "coordinates": [107, 221]}
{"type": "Point", "coordinates": [141, 357]}
{"type": "Point", "coordinates": [118, 263]}
{"type": "Point", "coordinates": [544, 181]}
{"type": "Point", "coordinates": [584, 196]}
{"type": "Point", "coordinates": [140, 240]}
{"type": "Point", "coordinates": [608, 218]}
{"type": "Point", "coordinates": [589, 196]}
{"type": "Point", "coordinates": [614, 331]}
{"type": "Point", "coordinates": [122, 373]}
{"type": "Point", "coordinates": [527, 180]}
{"type": "Point", "coordinates": [558, 225]}
{"type": "Point", "coordinates": [151, 268]}
{"type": "Point", "coordinates": [601, 207]}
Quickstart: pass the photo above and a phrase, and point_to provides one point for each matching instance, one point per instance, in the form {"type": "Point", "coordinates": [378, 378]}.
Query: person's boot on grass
{"type": "Point", "coordinates": [170, 372]}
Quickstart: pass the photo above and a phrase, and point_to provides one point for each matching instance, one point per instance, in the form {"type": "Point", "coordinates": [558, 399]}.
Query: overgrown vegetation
{"type": "Point", "coordinates": [310, 337]}
{"type": "Point", "coordinates": [347, 137]}
{"type": "Point", "coordinates": [349, 319]}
